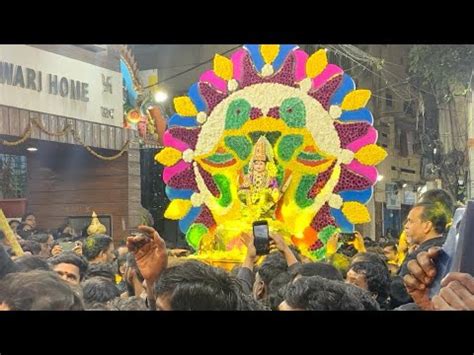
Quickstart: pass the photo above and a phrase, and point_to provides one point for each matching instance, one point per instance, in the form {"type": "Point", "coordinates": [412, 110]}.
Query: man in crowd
{"type": "Point", "coordinates": [426, 227]}
{"type": "Point", "coordinates": [37, 290]}
{"type": "Point", "coordinates": [69, 266]}
{"type": "Point", "coordinates": [99, 251]}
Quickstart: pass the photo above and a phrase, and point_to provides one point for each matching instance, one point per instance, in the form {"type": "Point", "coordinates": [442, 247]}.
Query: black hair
{"type": "Point", "coordinates": [72, 258]}
{"type": "Point", "coordinates": [38, 290]}
{"type": "Point", "coordinates": [368, 242]}
{"type": "Point", "coordinates": [105, 270]}
{"type": "Point", "coordinates": [377, 278]}
{"type": "Point", "coordinates": [98, 306]}
{"type": "Point", "coordinates": [398, 293]}
{"type": "Point", "coordinates": [27, 263]}
{"type": "Point", "coordinates": [26, 215]}
{"type": "Point", "coordinates": [63, 237]}
{"type": "Point", "coordinates": [25, 234]}
{"type": "Point", "coordinates": [392, 244]}
{"type": "Point", "coordinates": [197, 286]}
{"type": "Point", "coordinates": [99, 289]}
{"type": "Point", "coordinates": [30, 246]}
{"type": "Point", "coordinates": [251, 304]}
{"type": "Point", "coordinates": [318, 294]}
{"type": "Point", "coordinates": [436, 213]}
{"type": "Point", "coordinates": [128, 304]}
{"type": "Point", "coordinates": [324, 270]}
{"type": "Point", "coordinates": [439, 195]}
{"type": "Point", "coordinates": [273, 264]}
{"type": "Point", "coordinates": [378, 250]}
{"type": "Point", "coordinates": [40, 237]}
{"type": "Point", "coordinates": [277, 289]}
{"type": "Point", "coordinates": [95, 244]}
{"type": "Point", "coordinates": [369, 257]}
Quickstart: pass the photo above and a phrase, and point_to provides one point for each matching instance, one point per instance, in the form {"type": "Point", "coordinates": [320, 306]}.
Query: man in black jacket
{"type": "Point", "coordinates": [426, 227]}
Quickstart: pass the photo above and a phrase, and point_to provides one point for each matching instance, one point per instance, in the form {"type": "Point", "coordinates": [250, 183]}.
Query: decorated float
{"type": "Point", "coordinates": [273, 134]}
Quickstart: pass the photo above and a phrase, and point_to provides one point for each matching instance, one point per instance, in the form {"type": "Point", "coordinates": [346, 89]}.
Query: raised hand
{"type": "Point", "coordinates": [150, 253]}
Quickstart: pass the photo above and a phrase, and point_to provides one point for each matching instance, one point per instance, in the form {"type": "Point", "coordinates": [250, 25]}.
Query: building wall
{"type": "Point", "coordinates": [391, 117]}
{"type": "Point", "coordinates": [67, 181]}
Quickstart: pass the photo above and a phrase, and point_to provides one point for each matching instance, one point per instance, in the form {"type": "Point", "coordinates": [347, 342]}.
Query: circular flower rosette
{"type": "Point", "coordinates": [321, 133]}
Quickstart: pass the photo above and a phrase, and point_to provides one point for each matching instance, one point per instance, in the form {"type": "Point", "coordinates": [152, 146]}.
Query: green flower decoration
{"type": "Point", "coordinates": [195, 234]}
{"type": "Point", "coordinates": [293, 112]}
{"type": "Point", "coordinates": [326, 233]}
{"type": "Point", "coordinates": [240, 145]}
{"type": "Point", "coordinates": [237, 114]}
{"type": "Point", "coordinates": [288, 145]}
{"type": "Point", "coordinates": [304, 186]}
{"type": "Point", "coordinates": [223, 184]}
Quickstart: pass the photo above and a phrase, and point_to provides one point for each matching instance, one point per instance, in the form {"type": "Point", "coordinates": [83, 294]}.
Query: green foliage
{"type": "Point", "coordinates": [444, 70]}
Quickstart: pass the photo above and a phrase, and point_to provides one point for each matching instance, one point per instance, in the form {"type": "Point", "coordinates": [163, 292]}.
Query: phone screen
{"type": "Point", "coordinates": [67, 246]}
{"type": "Point", "coordinates": [261, 237]}
{"type": "Point", "coordinates": [347, 237]}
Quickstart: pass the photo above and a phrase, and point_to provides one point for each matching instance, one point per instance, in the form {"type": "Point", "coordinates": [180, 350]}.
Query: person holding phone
{"type": "Point", "coordinates": [457, 288]}
{"type": "Point", "coordinates": [258, 285]}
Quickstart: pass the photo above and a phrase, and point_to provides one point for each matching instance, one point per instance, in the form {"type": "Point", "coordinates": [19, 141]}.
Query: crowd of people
{"type": "Point", "coordinates": [142, 274]}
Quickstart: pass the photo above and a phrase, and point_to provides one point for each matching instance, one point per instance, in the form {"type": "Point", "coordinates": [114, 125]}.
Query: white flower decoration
{"type": "Point", "coordinates": [232, 85]}
{"type": "Point", "coordinates": [201, 117]}
{"type": "Point", "coordinates": [306, 84]}
{"type": "Point", "coordinates": [188, 155]}
{"type": "Point", "coordinates": [335, 111]}
{"type": "Point", "coordinates": [197, 199]}
{"type": "Point", "coordinates": [346, 156]}
{"type": "Point", "coordinates": [267, 70]}
{"type": "Point", "coordinates": [335, 201]}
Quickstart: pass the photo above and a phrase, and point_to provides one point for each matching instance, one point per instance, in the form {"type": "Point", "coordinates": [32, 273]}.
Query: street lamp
{"type": "Point", "coordinates": [161, 96]}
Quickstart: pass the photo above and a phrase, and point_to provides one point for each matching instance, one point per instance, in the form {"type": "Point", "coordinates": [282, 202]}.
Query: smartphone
{"type": "Point", "coordinates": [457, 252]}
{"type": "Point", "coordinates": [136, 233]}
{"type": "Point", "coordinates": [67, 246]}
{"type": "Point", "coordinates": [142, 240]}
{"type": "Point", "coordinates": [346, 237]}
{"type": "Point", "coordinates": [261, 237]}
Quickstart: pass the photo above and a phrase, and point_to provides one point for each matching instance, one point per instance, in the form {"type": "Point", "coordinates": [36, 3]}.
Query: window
{"type": "Point", "coordinates": [13, 176]}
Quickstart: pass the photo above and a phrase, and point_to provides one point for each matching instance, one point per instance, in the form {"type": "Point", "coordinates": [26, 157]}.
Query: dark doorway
{"type": "Point", "coordinates": [154, 198]}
